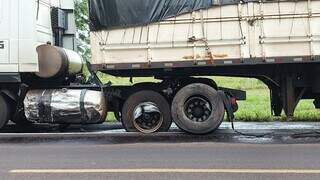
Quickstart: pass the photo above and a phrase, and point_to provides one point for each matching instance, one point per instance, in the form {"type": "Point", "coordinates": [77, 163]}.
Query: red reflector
{"type": "Point", "coordinates": [233, 101]}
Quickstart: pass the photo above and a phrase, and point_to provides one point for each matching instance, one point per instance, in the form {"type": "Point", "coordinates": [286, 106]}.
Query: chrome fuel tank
{"type": "Point", "coordinates": [65, 106]}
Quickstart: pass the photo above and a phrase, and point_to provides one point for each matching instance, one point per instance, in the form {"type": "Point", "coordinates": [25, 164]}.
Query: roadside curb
{"type": "Point", "coordinates": [222, 136]}
{"type": "Point", "coordinates": [112, 138]}
{"type": "Point", "coordinates": [107, 133]}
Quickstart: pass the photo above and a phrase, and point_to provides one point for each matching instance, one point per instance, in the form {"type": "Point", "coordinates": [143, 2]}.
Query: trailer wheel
{"type": "Point", "coordinates": [146, 112]}
{"type": "Point", "coordinates": [4, 111]}
{"type": "Point", "coordinates": [197, 109]}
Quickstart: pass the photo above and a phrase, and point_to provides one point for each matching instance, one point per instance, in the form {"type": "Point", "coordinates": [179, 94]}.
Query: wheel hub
{"type": "Point", "coordinates": [147, 117]}
{"type": "Point", "coordinates": [198, 109]}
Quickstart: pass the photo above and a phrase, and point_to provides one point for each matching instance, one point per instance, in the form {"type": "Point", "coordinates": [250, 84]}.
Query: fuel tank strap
{"type": "Point", "coordinates": [44, 106]}
{"type": "Point", "coordinates": [84, 115]}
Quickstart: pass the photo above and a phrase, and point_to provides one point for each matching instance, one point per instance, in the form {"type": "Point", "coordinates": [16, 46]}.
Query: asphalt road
{"type": "Point", "coordinates": [175, 155]}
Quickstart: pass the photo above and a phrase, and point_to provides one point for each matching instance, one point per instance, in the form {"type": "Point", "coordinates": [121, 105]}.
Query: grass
{"type": "Point", "coordinates": [257, 105]}
{"type": "Point", "coordinates": [255, 108]}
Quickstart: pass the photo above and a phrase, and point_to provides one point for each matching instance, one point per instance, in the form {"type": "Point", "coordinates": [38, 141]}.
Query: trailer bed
{"type": "Point", "coordinates": [246, 33]}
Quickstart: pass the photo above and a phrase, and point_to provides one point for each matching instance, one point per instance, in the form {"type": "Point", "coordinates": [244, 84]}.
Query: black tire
{"type": "Point", "coordinates": [118, 116]}
{"type": "Point", "coordinates": [5, 111]}
{"type": "Point", "coordinates": [210, 112]}
{"type": "Point", "coordinates": [146, 96]}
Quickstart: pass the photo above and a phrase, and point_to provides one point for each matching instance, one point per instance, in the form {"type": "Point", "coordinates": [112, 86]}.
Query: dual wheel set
{"type": "Point", "coordinates": [196, 108]}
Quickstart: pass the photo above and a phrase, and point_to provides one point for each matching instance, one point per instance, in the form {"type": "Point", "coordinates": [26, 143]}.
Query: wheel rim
{"type": "Point", "coordinates": [147, 117]}
{"type": "Point", "coordinates": [198, 109]}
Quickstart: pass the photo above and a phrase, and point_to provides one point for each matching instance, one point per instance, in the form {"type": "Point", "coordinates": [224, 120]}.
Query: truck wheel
{"type": "Point", "coordinates": [146, 112]}
{"type": "Point", "coordinates": [197, 109]}
{"type": "Point", "coordinates": [4, 111]}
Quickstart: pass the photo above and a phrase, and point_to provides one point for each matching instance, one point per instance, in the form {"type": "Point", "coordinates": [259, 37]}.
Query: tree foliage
{"type": "Point", "coordinates": [82, 22]}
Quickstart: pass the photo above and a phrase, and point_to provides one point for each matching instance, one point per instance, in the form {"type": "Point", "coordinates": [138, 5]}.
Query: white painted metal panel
{"type": "Point", "coordinates": [27, 36]}
{"type": "Point", "coordinates": [4, 51]}
{"type": "Point", "coordinates": [67, 4]}
{"type": "Point", "coordinates": [25, 24]}
{"type": "Point", "coordinates": [43, 26]}
{"type": "Point", "coordinates": [247, 30]}
{"type": "Point", "coordinates": [8, 35]}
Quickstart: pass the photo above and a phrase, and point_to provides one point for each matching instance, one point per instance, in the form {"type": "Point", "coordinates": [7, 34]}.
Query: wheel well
{"type": "Point", "coordinates": [175, 84]}
{"type": "Point", "coordinates": [9, 95]}
{"type": "Point", "coordinates": [191, 80]}
{"type": "Point", "coordinates": [118, 102]}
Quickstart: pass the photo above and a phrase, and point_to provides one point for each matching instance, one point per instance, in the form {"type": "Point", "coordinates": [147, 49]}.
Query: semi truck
{"type": "Point", "coordinates": [180, 43]}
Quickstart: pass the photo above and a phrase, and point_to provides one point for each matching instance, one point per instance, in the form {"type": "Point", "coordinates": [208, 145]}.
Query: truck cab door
{"type": "Point", "coordinates": [8, 32]}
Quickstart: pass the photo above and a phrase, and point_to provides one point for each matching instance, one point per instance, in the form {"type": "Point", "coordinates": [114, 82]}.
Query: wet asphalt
{"type": "Point", "coordinates": [265, 151]}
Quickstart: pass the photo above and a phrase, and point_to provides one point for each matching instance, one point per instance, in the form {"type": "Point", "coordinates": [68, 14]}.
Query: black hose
{"type": "Point", "coordinates": [231, 117]}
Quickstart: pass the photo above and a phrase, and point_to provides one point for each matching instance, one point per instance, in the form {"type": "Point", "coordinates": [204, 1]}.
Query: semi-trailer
{"type": "Point", "coordinates": [179, 43]}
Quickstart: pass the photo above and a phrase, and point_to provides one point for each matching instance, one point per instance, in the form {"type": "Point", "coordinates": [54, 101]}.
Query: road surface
{"type": "Point", "coordinates": [175, 155]}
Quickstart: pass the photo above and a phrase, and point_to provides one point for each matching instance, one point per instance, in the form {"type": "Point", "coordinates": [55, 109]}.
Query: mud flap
{"type": "Point", "coordinates": [227, 105]}
{"type": "Point", "coordinates": [231, 117]}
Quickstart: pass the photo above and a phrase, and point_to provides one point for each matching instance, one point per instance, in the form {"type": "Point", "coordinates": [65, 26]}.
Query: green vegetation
{"type": "Point", "coordinates": [255, 108]}
{"type": "Point", "coordinates": [82, 23]}
{"type": "Point", "coordinates": [257, 105]}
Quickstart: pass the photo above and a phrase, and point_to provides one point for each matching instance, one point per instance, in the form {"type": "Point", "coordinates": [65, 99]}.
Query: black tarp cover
{"type": "Point", "coordinates": [110, 14]}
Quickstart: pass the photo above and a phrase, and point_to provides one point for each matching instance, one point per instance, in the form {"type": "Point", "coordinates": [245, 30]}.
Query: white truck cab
{"type": "Point", "coordinates": [26, 24]}
{"type": "Point", "coordinates": [37, 58]}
